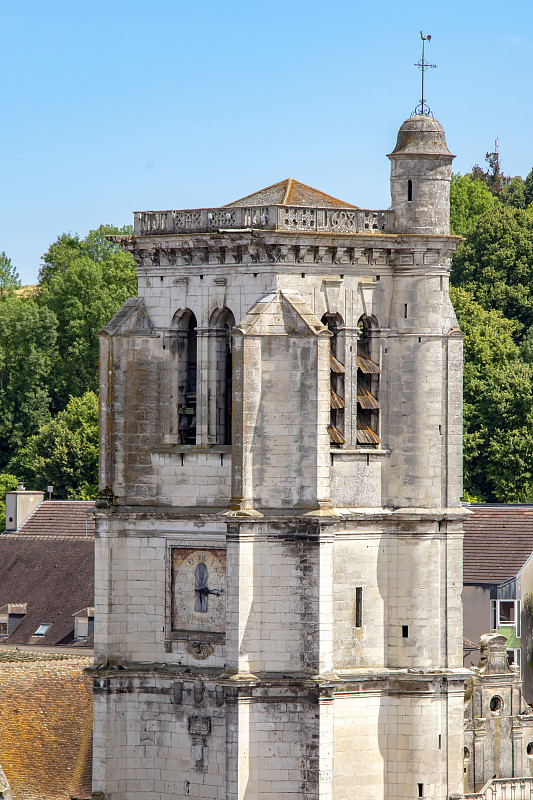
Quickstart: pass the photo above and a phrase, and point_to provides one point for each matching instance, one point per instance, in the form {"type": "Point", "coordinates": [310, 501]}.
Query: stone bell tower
{"type": "Point", "coordinates": [279, 530]}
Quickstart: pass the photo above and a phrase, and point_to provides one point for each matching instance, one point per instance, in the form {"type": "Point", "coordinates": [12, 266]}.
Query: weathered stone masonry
{"type": "Point", "coordinates": [279, 534]}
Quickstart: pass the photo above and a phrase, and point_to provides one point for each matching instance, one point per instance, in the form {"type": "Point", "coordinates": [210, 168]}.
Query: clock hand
{"type": "Point", "coordinates": [205, 590]}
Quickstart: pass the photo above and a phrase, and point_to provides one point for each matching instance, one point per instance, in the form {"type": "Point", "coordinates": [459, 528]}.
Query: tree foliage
{"type": "Point", "coordinates": [514, 194]}
{"type": "Point", "coordinates": [68, 247]}
{"type": "Point", "coordinates": [28, 352]}
{"type": "Point", "coordinates": [498, 405]}
{"type": "Point", "coordinates": [495, 263]}
{"type": "Point", "coordinates": [493, 177]}
{"type": "Point", "coordinates": [64, 452]}
{"type": "Point", "coordinates": [49, 359]}
{"type": "Point", "coordinates": [84, 297]}
{"type": "Point", "coordinates": [9, 277]}
{"type": "Point", "coordinates": [469, 199]}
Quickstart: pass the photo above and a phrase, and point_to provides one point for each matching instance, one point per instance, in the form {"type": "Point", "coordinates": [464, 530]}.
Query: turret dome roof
{"type": "Point", "coordinates": [421, 135]}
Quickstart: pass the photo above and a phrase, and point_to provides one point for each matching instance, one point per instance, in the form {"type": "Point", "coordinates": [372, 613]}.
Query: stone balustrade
{"type": "Point", "coordinates": [295, 218]}
{"type": "Point", "coordinates": [505, 789]}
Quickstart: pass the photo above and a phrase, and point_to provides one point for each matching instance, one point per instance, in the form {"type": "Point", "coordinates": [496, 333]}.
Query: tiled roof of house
{"type": "Point", "coordinates": [498, 541]}
{"type": "Point", "coordinates": [46, 713]}
{"type": "Point", "coordinates": [58, 519]}
{"type": "Point", "coordinates": [54, 578]}
{"type": "Point", "coordinates": [290, 193]}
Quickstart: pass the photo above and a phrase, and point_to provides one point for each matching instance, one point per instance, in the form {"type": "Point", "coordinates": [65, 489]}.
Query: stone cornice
{"type": "Point", "coordinates": [258, 249]}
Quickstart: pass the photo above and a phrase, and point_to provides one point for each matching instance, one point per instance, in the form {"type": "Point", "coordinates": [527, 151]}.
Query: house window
{"type": "Point", "coordinates": [505, 613]}
{"type": "Point", "coordinates": [368, 373]}
{"type": "Point", "coordinates": [513, 657]}
{"type": "Point", "coordinates": [337, 371]}
{"type": "Point", "coordinates": [3, 627]}
{"type": "Point", "coordinates": [220, 390]}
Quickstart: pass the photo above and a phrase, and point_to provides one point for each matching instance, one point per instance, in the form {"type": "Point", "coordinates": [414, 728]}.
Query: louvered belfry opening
{"type": "Point", "coordinates": [187, 368]}
{"type": "Point", "coordinates": [368, 373]}
{"type": "Point", "coordinates": [337, 371]}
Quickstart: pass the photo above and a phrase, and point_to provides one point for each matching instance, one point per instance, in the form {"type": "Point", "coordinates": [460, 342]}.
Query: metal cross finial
{"type": "Point", "coordinates": [422, 107]}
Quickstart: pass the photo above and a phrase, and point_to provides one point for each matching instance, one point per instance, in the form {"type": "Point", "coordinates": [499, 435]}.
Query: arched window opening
{"type": "Point", "coordinates": [409, 190]}
{"type": "Point", "coordinates": [201, 590]}
{"type": "Point", "coordinates": [337, 372]}
{"type": "Point", "coordinates": [368, 373]}
{"type": "Point", "coordinates": [221, 323]}
{"type": "Point", "coordinates": [186, 323]}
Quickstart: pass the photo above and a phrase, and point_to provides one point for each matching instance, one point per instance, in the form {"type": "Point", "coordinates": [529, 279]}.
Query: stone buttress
{"type": "Point", "coordinates": [279, 530]}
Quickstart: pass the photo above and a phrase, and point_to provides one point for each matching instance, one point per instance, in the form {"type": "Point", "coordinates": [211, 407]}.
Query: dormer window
{"type": "Point", "coordinates": [43, 628]}
{"type": "Point", "coordinates": [84, 623]}
{"type": "Point", "coordinates": [10, 616]}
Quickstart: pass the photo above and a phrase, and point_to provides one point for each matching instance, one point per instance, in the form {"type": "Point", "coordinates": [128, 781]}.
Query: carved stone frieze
{"type": "Point", "coordinates": [256, 251]}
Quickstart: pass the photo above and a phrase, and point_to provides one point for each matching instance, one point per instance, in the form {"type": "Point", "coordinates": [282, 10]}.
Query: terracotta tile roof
{"type": "Point", "coordinates": [54, 577]}
{"type": "Point", "coordinates": [58, 519]}
{"type": "Point", "coordinates": [290, 193]}
{"type": "Point", "coordinates": [498, 541]}
{"type": "Point", "coordinates": [46, 713]}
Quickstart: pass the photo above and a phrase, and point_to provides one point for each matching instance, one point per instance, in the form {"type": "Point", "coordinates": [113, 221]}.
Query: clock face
{"type": "Point", "coordinates": [198, 589]}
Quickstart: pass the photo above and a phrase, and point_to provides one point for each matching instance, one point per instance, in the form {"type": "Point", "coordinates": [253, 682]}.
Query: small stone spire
{"type": "Point", "coordinates": [421, 168]}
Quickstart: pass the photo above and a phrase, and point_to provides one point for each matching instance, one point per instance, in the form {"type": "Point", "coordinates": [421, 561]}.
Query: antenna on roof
{"type": "Point", "coordinates": [423, 108]}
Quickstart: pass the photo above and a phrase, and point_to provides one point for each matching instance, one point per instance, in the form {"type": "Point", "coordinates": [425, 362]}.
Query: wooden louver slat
{"type": "Point", "coordinates": [365, 399]}
{"type": "Point", "coordinates": [365, 435]}
{"type": "Point", "coordinates": [365, 363]}
{"type": "Point", "coordinates": [335, 400]}
{"type": "Point", "coordinates": [336, 366]}
{"type": "Point", "coordinates": [335, 435]}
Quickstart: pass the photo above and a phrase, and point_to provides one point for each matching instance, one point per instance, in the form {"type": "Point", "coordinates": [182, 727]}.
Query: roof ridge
{"type": "Point", "coordinates": [287, 191]}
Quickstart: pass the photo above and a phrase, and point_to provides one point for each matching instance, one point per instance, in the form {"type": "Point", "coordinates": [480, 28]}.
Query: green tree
{"type": "Point", "coordinates": [64, 452]}
{"type": "Point", "coordinates": [495, 263]}
{"type": "Point", "coordinates": [7, 484]}
{"type": "Point", "coordinates": [514, 193]}
{"type": "Point", "coordinates": [28, 354]}
{"type": "Point", "coordinates": [528, 188]}
{"type": "Point", "coordinates": [493, 177]}
{"type": "Point", "coordinates": [469, 199]}
{"type": "Point", "coordinates": [498, 405]}
{"type": "Point", "coordinates": [68, 247]}
{"type": "Point", "coordinates": [9, 277]}
{"type": "Point", "coordinates": [85, 289]}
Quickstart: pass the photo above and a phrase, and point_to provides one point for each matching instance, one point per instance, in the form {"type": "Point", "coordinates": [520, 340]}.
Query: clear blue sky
{"type": "Point", "coordinates": [116, 106]}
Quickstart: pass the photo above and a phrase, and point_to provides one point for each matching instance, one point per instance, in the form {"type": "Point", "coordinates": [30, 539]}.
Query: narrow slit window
{"type": "Point", "coordinates": [409, 190]}
{"type": "Point", "coordinates": [405, 631]}
{"type": "Point", "coordinates": [359, 607]}
{"type": "Point", "coordinates": [421, 790]}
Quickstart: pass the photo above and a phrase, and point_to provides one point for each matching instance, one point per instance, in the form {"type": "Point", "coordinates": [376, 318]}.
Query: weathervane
{"type": "Point", "coordinates": [422, 107]}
